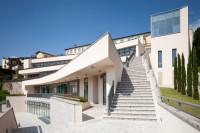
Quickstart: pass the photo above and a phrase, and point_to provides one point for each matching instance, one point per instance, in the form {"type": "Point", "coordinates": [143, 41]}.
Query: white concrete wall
{"type": "Point", "coordinates": [18, 103]}
{"type": "Point", "coordinates": [113, 72]}
{"type": "Point", "coordinates": [100, 90]}
{"type": "Point", "coordinates": [172, 124]}
{"type": "Point", "coordinates": [126, 44]}
{"type": "Point", "coordinates": [64, 111]}
{"type": "Point", "coordinates": [82, 87]}
{"type": "Point", "coordinates": [8, 122]}
{"type": "Point", "coordinates": [13, 87]}
{"type": "Point", "coordinates": [27, 63]}
{"type": "Point", "coordinates": [166, 43]}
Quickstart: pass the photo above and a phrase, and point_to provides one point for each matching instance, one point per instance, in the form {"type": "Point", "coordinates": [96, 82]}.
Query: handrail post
{"type": "Point", "coordinates": [110, 97]}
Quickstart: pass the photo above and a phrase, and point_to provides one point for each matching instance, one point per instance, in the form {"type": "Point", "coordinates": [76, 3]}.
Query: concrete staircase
{"type": "Point", "coordinates": [133, 97]}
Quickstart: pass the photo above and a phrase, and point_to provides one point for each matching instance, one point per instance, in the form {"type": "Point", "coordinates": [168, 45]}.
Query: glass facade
{"type": "Point", "coordinates": [165, 23]}
{"type": "Point", "coordinates": [159, 59]}
{"type": "Point", "coordinates": [52, 63]}
{"type": "Point", "coordinates": [126, 51]}
{"type": "Point", "coordinates": [173, 56]}
{"type": "Point", "coordinates": [62, 89]}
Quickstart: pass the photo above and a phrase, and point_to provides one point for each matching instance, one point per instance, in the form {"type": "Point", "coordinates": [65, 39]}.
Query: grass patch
{"type": "Point", "coordinates": [170, 92]}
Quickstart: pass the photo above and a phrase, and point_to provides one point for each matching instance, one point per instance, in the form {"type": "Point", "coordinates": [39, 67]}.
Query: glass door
{"type": "Point", "coordinates": [104, 88]}
{"type": "Point", "coordinates": [86, 88]}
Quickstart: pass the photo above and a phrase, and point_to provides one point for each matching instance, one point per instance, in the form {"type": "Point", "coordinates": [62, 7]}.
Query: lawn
{"type": "Point", "coordinates": [169, 92]}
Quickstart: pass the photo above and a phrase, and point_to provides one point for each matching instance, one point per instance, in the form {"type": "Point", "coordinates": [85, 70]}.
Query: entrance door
{"type": "Point", "coordinates": [104, 88]}
{"type": "Point", "coordinates": [86, 88]}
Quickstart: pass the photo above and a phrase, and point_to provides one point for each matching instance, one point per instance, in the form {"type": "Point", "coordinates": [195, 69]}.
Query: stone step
{"type": "Point", "coordinates": [134, 85]}
{"type": "Point", "coordinates": [137, 118]}
{"type": "Point", "coordinates": [128, 70]}
{"type": "Point", "coordinates": [133, 78]}
{"type": "Point", "coordinates": [135, 113]}
{"type": "Point", "coordinates": [135, 93]}
{"type": "Point", "coordinates": [131, 82]}
{"type": "Point", "coordinates": [132, 99]}
{"type": "Point", "coordinates": [133, 88]}
{"type": "Point", "coordinates": [139, 83]}
{"type": "Point", "coordinates": [132, 106]}
{"type": "Point", "coordinates": [134, 96]}
{"type": "Point", "coordinates": [133, 102]}
{"type": "Point", "coordinates": [133, 109]}
{"type": "Point", "coordinates": [133, 75]}
{"type": "Point", "coordinates": [136, 64]}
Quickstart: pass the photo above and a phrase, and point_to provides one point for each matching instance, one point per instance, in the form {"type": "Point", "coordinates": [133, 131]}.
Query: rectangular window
{"type": "Point", "coordinates": [165, 23]}
{"type": "Point", "coordinates": [173, 56]}
{"type": "Point", "coordinates": [159, 59]}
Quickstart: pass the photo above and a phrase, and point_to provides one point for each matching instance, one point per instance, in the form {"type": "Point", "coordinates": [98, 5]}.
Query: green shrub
{"type": "Point", "coordinates": [83, 99]}
{"type": "Point", "coordinates": [3, 95]}
{"type": "Point", "coordinates": [199, 69]}
{"type": "Point", "coordinates": [17, 95]}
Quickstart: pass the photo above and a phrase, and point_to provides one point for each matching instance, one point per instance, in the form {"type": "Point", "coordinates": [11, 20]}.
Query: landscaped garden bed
{"type": "Point", "coordinates": [179, 98]}
{"type": "Point", "coordinates": [84, 102]}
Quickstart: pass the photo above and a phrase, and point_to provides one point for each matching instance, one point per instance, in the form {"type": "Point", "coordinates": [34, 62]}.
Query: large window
{"type": "Point", "coordinates": [52, 63]}
{"type": "Point", "coordinates": [159, 59]}
{"type": "Point", "coordinates": [126, 51]}
{"type": "Point", "coordinates": [165, 23]}
{"type": "Point", "coordinates": [173, 56]}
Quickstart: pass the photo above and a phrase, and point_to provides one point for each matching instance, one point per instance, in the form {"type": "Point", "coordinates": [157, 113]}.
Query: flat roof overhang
{"type": "Point", "coordinates": [100, 55]}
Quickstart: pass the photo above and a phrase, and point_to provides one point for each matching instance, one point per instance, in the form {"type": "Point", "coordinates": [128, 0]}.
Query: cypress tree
{"type": "Point", "coordinates": [189, 74]}
{"type": "Point", "coordinates": [183, 75]}
{"type": "Point", "coordinates": [195, 75]}
{"type": "Point", "coordinates": [179, 74]}
{"type": "Point", "coordinates": [175, 74]}
{"type": "Point", "coordinates": [196, 43]}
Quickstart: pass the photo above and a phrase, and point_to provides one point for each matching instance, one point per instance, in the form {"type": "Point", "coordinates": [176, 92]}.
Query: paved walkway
{"type": "Point", "coordinates": [92, 123]}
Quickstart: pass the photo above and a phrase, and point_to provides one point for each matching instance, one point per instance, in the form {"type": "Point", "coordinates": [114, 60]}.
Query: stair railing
{"type": "Point", "coordinates": [110, 98]}
{"type": "Point", "coordinates": [130, 58]}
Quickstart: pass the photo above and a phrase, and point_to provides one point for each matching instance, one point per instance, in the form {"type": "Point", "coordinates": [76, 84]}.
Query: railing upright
{"type": "Point", "coordinates": [110, 98]}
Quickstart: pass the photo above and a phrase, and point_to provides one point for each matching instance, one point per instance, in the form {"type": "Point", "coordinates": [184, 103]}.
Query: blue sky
{"type": "Point", "coordinates": [27, 26]}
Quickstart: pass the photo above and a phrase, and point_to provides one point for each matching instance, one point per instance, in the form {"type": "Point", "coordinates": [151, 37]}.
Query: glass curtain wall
{"type": "Point", "coordinates": [165, 23]}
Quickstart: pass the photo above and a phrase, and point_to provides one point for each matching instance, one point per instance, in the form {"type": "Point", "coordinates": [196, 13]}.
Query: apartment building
{"type": "Point", "coordinates": [91, 70]}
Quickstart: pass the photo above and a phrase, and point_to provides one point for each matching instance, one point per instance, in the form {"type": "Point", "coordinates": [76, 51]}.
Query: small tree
{"type": "Point", "coordinates": [175, 74]}
{"type": "Point", "coordinates": [183, 75]}
{"type": "Point", "coordinates": [179, 74]}
{"type": "Point", "coordinates": [195, 76]}
{"type": "Point", "coordinates": [189, 75]}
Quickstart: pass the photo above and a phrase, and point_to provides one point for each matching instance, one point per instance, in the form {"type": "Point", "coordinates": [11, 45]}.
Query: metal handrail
{"type": "Point", "coordinates": [128, 59]}
{"type": "Point", "coordinates": [110, 97]}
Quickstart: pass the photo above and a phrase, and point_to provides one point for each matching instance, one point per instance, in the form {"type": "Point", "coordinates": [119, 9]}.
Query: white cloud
{"type": "Point", "coordinates": [195, 24]}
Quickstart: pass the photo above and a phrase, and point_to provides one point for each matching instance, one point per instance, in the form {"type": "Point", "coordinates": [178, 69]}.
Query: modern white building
{"type": "Point", "coordinates": [90, 70]}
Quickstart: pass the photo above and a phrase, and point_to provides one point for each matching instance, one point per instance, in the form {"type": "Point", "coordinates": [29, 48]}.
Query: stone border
{"type": "Point", "coordinates": [193, 121]}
